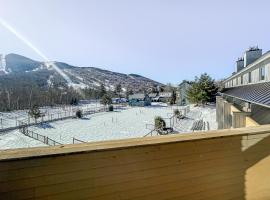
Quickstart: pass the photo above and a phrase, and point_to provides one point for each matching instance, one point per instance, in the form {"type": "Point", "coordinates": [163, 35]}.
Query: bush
{"type": "Point", "coordinates": [79, 114]}
{"type": "Point", "coordinates": [110, 108]}
{"type": "Point", "coordinates": [176, 112]}
{"type": "Point", "coordinates": [159, 123]}
{"type": "Point", "coordinates": [35, 112]}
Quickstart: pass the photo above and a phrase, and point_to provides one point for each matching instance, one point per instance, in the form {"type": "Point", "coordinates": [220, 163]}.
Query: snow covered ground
{"type": "Point", "coordinates": [127, 123]}
{"type": "Point", "coordinates": [207, 114]}
{"type": "Point", "coordinates": [15, 139]}
{"type": "Point", "coordinates": [10, 119]}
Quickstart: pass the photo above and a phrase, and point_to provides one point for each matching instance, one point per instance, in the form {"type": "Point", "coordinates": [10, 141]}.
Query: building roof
{"type": "Point", "coordinates": [184, 82]}
{"type": "Point", "coordinates": [254, 93]}
{"type": "Point", "coordinates": [265, 56]}
{"type": "Point", "coordinates": [152, 95]}
{"type": "Point", "coordinates": [165, 94]}
{"type": "Point", "coordinates": [137, 96]}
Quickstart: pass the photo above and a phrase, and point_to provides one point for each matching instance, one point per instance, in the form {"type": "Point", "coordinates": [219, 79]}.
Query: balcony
{"type": "Point", "coordinates": [214, 165]}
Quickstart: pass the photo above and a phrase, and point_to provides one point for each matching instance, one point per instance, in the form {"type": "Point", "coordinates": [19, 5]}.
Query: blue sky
{"type": "Point", "coordinates": [164, 40]}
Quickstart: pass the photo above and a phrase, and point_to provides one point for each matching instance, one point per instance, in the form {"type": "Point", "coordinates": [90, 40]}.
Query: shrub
{"type": "Point", "coordinates": [110, 108]}
{"type": "Point", "coordinates": [35, 112]}
{"type": "Point", "coordinates": [176, 112]}
{"type": "Point", "coordinates": [159, 123]}
{"type": "Point", "coordinates": [79, 114]}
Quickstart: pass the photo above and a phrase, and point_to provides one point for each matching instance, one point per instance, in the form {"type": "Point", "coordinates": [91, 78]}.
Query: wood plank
{"type": "Point", "coordinates": [127, 143]}
{"type": "Point", "coordinates": [192, 146]}
{"type": "Point", "coordinates": [94, 174]}
{"type": "Point", "coordinates": [111, 161]}
{"type": "Point", "coordinates": [137, 166]}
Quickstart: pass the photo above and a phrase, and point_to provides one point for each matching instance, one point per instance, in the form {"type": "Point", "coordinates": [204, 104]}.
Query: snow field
{"type": "Point", "coordinates": [127, 123]}
{"type": "Point", "coordinates": [15, 139]}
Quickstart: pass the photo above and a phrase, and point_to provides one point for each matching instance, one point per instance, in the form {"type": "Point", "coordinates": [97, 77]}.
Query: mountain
{"type": "Point", "coordinates": [43, 74]}
{"type": "Point", "coordinates": [18, 64]}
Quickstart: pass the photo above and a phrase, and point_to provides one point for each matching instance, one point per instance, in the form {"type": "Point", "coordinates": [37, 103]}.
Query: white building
{"type": "Point", "coordinates": [251, 69]}
{"type": "Point", "coordinates": [248, 90]}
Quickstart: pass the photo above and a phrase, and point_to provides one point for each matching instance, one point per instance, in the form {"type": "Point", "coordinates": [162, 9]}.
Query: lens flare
{"type": "Point", "coordinates": [35, 49]}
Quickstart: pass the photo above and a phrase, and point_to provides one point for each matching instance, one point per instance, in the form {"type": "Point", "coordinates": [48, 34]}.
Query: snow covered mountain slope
{"type": "Point", "coordinates": [20, 66]}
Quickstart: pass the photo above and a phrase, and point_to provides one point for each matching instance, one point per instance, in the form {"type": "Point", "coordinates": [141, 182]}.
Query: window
{"type": "Point", "coordinates": [249, 77]}
{"type": "Point", "coordinates": [262, 73]}
{"type": "Point", "coordinates": [242, 80]}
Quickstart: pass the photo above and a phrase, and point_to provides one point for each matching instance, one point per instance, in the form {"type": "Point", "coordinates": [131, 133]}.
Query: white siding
{"type": "Point", "coordinates": [245, 79]}
{"type": "Point", "coordinates": [267, 72]}
{"type": "Point", "coordinates": [255, 75]}
{"type": "Point", "coordinates": [234, 82]}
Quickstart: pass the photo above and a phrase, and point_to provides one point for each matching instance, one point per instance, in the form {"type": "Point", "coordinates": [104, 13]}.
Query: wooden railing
{"type": "Point", "coordinates": [225, 164]}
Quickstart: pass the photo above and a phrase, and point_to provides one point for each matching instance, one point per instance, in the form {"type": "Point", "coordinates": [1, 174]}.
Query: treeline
{"type": "Point", "coordinates": [26, 97]}
{"type": "Point", "coordinates": [23, 91]}
{"type": "Point", "coordinates": [47, 88]}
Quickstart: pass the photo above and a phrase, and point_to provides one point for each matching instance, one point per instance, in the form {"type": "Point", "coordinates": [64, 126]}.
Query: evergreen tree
{"type": "Point", "coordinates": [106, 100]}
{"type": "Point", "coordinates": [173, 98]}
{"type": "Point", "coordinates": [118, 89]}
{"type": "Point", "coordinates": [203, 90]}
{"type": "Point", "coordinates": [74, 101]}
{"type": "Point", "coordinates": [161, 89]}
{"type": "Point", "coordinates": [35, 112]}
{"type": "Point", "coordinates": [102, 90]}
{"type": "Point", "coordinates": [129, 92]}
